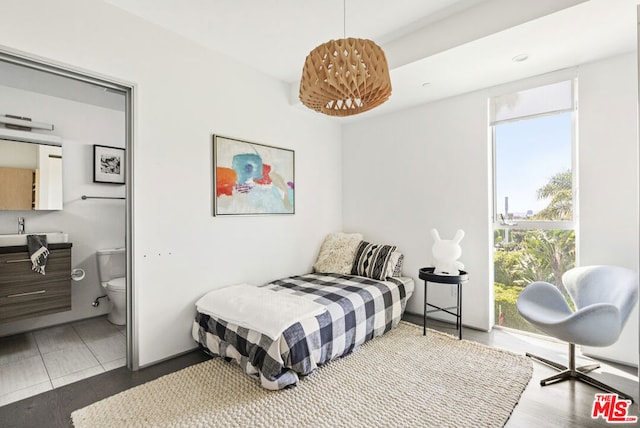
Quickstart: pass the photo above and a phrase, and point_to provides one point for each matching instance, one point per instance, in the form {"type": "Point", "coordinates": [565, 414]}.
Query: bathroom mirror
{"type": "Point", "coordinates": [30, 176]}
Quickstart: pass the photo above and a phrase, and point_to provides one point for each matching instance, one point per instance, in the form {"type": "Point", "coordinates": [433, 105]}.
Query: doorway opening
{"type": "Point", "coordinates": [29, 81]}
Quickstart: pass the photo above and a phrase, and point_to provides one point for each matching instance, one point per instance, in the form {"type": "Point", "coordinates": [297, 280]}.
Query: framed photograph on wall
{"type": "Point", "coordinates": [251, 178]}
{"type": "Point", "coordinates": [108, 164]}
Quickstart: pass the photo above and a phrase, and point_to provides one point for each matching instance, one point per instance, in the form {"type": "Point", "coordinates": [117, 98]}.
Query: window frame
{"type": "Point", "coordinates": [521, 224]}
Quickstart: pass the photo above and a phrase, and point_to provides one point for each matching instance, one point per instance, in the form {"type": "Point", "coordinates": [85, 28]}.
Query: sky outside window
{"type": "Point", "coordinates": [527, 154]}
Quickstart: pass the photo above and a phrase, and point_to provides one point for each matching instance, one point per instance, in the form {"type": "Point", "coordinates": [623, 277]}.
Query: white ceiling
{"type": "Point", "coordinates": [33, 80]}
{"type": "Point", "coordinates": [454, 46]}
{"type": "Point", "coordinates": [275, 36]}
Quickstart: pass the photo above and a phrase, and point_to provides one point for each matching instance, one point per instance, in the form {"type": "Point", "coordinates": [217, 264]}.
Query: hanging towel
{"type": "Point", "coordinates": [38, 252]}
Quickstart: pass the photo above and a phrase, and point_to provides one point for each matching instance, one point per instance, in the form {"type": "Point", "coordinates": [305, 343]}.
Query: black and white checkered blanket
{"type": "Point", "coordinates": [358, 309]}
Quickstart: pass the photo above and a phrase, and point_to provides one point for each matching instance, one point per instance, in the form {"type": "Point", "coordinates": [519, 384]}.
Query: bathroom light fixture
{"type": "Point", "coordinates": [345, 77]}
{"type": "Point", "coordinates": [24, 123]}
{"type": "Point", "coordinates": [20, 129]}
{"type": "Point", "coordinates": [30, 137]}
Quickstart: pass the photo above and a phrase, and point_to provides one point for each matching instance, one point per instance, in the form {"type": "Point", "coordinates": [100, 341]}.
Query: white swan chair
{"type": "Point", "coordinates": [604, 297]}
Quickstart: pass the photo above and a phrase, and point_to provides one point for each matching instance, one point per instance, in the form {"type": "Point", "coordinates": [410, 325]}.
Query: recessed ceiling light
{"type": "Point", "coordinates": [520, 58]}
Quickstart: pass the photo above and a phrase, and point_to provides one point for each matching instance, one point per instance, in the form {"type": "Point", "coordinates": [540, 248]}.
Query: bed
{"type": "Point", "coordinates": [354, 309]}
{"type": "Point", "coordinates": [287, 328]}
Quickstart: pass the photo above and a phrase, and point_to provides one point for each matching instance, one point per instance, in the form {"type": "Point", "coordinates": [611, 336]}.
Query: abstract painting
{"type": "Point", "coordinates": [251, 178]}
{"type": "Point", "coordinates": [108, 164]}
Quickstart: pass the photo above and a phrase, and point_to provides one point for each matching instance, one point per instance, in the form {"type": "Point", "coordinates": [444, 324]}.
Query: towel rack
{"type": "Point", "coordinates": [100, 197]}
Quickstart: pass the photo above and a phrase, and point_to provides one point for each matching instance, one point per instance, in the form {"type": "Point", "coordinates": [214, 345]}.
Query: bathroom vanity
{"type": "Point", "coordinates": [25, 293]}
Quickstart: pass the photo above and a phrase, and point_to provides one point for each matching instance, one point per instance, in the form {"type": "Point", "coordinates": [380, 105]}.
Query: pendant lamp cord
{"type": "Point", "coordinates": [344, 19]}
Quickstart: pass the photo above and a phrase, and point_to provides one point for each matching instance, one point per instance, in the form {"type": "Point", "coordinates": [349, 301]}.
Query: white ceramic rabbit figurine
{"type": "Point", "coordinates": [446, 253]}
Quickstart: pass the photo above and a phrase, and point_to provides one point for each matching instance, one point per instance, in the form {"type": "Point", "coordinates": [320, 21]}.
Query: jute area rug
{"type": "Point", "coordinates": [399, 379]}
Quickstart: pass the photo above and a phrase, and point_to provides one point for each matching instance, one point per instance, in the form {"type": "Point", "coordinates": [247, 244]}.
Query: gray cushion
{"type": "Point", "coordinates": [603, 295]}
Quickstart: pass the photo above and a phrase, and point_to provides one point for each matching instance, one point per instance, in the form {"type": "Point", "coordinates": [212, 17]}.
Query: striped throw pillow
{"type": "Point", "coordinates": [371, 260]}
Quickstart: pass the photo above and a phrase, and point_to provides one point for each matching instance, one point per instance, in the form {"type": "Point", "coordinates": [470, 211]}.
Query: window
{"type": "Point", "coordinates": [534, 193]}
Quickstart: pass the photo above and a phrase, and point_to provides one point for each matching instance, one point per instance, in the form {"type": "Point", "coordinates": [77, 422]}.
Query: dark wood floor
{"type": "Point", "coordinates": [52, 409]}
{"type": "Point", "coordinates": [567, 404]}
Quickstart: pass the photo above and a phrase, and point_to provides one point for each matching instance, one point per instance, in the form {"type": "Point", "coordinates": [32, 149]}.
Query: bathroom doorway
{"type": "Point", "coordinates": [89, 332]}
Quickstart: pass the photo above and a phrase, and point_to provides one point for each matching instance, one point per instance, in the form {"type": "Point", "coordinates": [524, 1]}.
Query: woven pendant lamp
{"type": "Point", "coordinates": [345, 77]}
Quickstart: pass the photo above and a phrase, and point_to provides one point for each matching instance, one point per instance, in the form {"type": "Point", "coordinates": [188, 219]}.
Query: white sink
{"type": "Point", "coordinates": [17, 239]}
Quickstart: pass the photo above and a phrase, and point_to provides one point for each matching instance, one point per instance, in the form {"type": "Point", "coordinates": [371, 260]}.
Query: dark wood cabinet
{"type": "Point", "coordinates": [25, 293]}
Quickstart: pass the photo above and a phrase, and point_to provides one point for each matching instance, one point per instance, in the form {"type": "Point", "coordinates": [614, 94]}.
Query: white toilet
{"type": "Point", "coordinates": [112, 274]}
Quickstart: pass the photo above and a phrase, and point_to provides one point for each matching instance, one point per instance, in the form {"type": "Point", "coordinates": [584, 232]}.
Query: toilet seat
{"type": "Point", "coordinates": [117, 285]}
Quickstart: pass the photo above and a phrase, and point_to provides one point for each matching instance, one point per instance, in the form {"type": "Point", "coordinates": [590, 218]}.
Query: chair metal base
{"type": "Point", "coordinates": [578, 373]}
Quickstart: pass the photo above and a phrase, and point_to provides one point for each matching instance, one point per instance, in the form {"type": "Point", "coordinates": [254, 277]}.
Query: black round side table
{"type": "Point", "coordinates": [428, 275]}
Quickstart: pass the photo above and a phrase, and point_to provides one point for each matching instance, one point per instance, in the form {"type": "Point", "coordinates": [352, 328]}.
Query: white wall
{"type": "Point", "coordinates": [424, 168]}
{"type": "Point", "coordinates": [429, 167]}
{"type": "Point", "coordinates": [91, 224]}
{"type": "Point", "coordinates": [396, 176]}
{"type": "Point", "coordinates": [608, 178]}
{"type": "Point", "coordinates": [184, 93]}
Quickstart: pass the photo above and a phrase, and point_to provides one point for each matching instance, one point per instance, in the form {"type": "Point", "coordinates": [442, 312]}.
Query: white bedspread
{"type": "Point", "coordinates": [257, 308]}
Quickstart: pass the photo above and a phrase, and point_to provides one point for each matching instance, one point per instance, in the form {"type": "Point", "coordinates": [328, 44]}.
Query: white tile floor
{"type": "Point", "coordinates": [35, 362]}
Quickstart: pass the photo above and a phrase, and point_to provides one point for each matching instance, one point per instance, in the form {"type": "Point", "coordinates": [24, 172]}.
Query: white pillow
{"type": "Point", "coordinates": [394, 266]}
{"type": "Point", "coordinates": [337, 253]}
